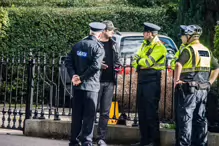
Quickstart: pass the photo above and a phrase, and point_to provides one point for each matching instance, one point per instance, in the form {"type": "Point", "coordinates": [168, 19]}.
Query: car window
{"type": "Point", "coordinates": [168, 43]}
{"type": "Point", "coordinates": [114, 38]}
{"type": "Point", "coordinates": [130, 45]}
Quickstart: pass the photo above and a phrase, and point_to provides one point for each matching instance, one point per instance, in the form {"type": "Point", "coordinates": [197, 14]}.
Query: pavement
{"type": "Point", "coordinates": [16, 138]}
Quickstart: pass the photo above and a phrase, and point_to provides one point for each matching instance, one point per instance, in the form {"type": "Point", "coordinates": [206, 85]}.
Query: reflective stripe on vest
{"type": "Point", "coordinates": [196, 69]}
{"type": "Point", "coordinates": [157, 64]}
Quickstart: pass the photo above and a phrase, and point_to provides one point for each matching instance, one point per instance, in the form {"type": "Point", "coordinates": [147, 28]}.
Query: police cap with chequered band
{"type": "Point", "coordinates": [150, 27]}
{"type": "Point", "coordinates": [97, 26]}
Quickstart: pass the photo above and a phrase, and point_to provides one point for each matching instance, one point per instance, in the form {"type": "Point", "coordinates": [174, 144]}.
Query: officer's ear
{"type": "Point", "coordinates": [100, 35]}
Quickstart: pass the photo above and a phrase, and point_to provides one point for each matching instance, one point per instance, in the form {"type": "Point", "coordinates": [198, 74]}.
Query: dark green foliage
{"type": "Point", "coordinates": [56, 29]}
{"type": "Point", "coordinates": [216, 40]}
{"type": "Point", "coordinates": [150, 3]}
{"type": "Point", "coordinates": [141, 3]}
{"type": "Point", "coordinates": [202, 12]}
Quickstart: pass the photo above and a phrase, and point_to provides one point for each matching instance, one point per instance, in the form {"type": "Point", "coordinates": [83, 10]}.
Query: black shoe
{"type": "Point", "coordinates": [136, 144]}
{"type": "Point", "coordinates": [101, 143]}
{"type": "Point", "coordinates": [139, 144]}
{"type": "Point", "coordinates": [74, 144]}
{"type": "Point", "coordinates": [151, 144]}
{"type": "Point", "coordinates": [87, 144]}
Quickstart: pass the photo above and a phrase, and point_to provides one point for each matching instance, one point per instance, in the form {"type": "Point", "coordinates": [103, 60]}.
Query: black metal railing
{"type": "Point", "coordinates": [12, 90]}
{"type": "Point", "coordinates": [37, 86]}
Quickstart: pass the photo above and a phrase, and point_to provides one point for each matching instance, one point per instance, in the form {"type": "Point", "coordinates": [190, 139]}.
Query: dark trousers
{"type": "Point", "coordinates": [104, 100]}
{"type": "Point", "coordinates": [83, 114]}
{"type": "Point", "coordinates": [148, 96]}
{"type": "Point", "coordinates": [191, 121]}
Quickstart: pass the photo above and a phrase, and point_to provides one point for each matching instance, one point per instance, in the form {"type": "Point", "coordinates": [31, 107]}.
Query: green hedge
{"type": "Point", "coordinates": [4, 22]}
{"type": "Point", "coordinates": [57, 3]}
{"type": "Point", "coordinates": [55, 29]}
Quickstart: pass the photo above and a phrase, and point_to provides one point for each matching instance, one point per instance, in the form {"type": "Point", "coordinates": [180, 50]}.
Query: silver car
{"type": "Point", "coordinates": [128, 43]}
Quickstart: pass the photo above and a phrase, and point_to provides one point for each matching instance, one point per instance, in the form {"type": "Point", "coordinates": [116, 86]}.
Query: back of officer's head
{"type": "Point", "coordinates": [96, 34]}
{"type": "Point", "coordinates": [96, 29]}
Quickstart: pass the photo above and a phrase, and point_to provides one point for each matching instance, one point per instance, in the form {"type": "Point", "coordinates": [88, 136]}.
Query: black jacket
{"type": "Point", "coordinates": [116, 59]}
{"type": "Point", "coordinates": [85, 60]}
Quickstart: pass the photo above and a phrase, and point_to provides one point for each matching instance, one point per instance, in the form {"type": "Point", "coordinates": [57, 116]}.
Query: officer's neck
{"type": "Point", "coordinates": [193, 41]}
{"type": "Point", "coordinates": [95, 36]}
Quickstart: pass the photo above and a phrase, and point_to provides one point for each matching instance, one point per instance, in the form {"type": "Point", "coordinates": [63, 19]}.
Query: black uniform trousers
{"type": "Point", "coordinates": [104, 100]}
{"type": "Point", "coordinates": [83, 115]}
{"type": "Point", "coordinates": [190, 115]}
{"type": "Point", "coordinates": [148, 96]}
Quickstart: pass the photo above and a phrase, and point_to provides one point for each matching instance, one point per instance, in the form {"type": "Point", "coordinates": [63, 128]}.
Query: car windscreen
{"type": "Point", "coordinates": [130, 45]}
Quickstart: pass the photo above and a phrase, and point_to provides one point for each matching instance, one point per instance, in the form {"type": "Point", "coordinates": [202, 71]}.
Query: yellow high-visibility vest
{"type": "Point", "coordinates": [151, 55]}
{"type": "Point", "coordinates": [176, 56]}
{"type": "Point", "coordinates": [200, 58]}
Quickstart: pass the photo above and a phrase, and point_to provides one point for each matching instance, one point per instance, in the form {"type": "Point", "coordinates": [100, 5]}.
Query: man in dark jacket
{"type": "Point", "coordinates": [109, 67]}
{"type": "Point", "coordinates": [83, 64]}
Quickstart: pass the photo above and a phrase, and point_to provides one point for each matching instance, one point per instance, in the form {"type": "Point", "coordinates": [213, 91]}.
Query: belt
{"type": "Point", "coordinates": [143, 68]}
{"type": "Point", "coordinates": [199, 86]}
{"type": "Point", "coordinates": [192, 86]}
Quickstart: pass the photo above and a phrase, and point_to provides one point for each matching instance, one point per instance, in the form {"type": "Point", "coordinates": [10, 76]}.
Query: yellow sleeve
{"type": "Point", "coordinates": [173, 61]}
{"type": "Point", "coordinates": [136, 58]}
{"type": "Point", "coordinates": [173, 64]}
{"type": "Point", "coordinates": [157, 53]}
{"type": "Point", "coordinates": [176, 56]}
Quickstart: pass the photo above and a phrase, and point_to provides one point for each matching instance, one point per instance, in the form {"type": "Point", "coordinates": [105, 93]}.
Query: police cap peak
{"type": "Point", "coordinates": [97, 26]}
{"type": "Point", "coordinates": [151, 27]}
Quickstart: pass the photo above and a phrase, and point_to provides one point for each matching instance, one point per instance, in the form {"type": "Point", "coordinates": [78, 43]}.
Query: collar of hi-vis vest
{"type": "Point", "coordinates": [194, 42]}
{"type": "Point", "coordinates": [152, 43]}
{"type": "Point", "coordinates": [182, 46]}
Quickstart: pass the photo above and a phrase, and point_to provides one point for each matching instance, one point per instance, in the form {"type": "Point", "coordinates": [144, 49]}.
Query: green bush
{"type": "Point", "coordinates": [56, 29]}
{"type": "Point", "coordinates": [4, 22]}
